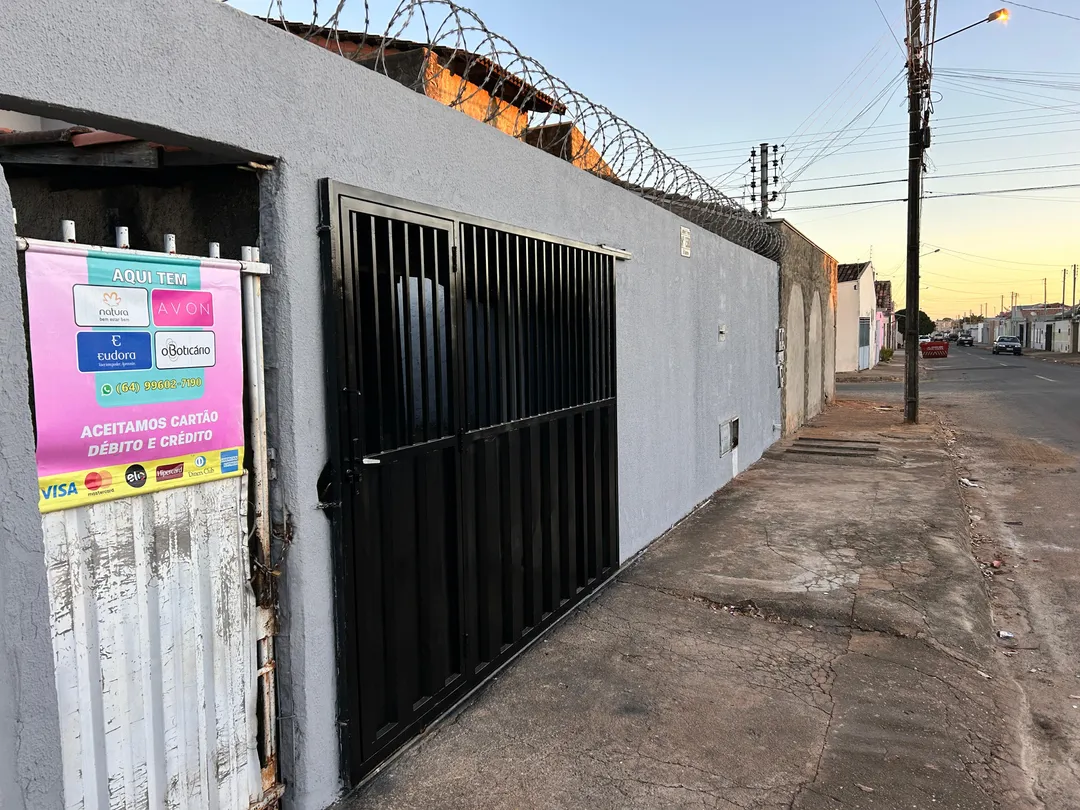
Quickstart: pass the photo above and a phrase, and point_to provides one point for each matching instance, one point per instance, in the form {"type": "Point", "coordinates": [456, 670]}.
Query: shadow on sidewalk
{"type": "Point", "coordinates": [816, 635]}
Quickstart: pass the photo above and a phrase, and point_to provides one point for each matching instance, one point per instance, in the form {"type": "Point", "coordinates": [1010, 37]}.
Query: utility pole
{"type": "Point", "coordinates": [1074, 288]}
{"type": "Point", "coordinates": [1044, 296]}
{"type": "Point", "coordinates": [1064, 271]}
{"type": "Point", "coordinates": [764, 181]}
{"type": "Point", "coordinates": [916, 145]}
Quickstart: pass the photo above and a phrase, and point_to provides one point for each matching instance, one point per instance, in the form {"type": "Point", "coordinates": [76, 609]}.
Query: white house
{"type": "Point", "coordinates": [856, 307]}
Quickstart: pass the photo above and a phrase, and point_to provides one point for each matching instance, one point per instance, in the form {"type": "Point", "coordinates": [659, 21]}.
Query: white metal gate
{"type": "Point", "coordinates": [164, 662]}
{"type": "Point", "coordinates": [864, 344]}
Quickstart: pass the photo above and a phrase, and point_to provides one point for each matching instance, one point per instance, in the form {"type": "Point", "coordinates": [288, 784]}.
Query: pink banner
{"type": "Point", "coordinates": [138, 372]}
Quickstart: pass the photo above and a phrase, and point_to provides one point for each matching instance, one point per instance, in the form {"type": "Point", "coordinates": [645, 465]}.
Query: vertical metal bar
{"type": "Point", "coordinates": [215, 250]}
{"type": "Point", "coordinates": [575, 327]}
{"type": "Point", "coordinates": [512, 568]}
{"type": "Point", "coordinates": [401, 574]}
{"type": "Point", "coordinates": [491, 328]}
{"type": "Point", "coordinates": [521, 331]}
{"type": "Point", "coordinates": [122, 236]}
{"type": "Point", "coordinates": [533, 526]}
{"type": "Point", "coordinates": [436, 601]}
{"type": "Point", "coordinates": [406, 336]}
{"type": "Point", "coordinates": [543, 328]}
{"type": "Point", "coordinates": [422, 321]}
{"type": "Point", "coordinates": [399, 407]}
{"type": "Point", "coordinates": [479, 364]}
{"type": "Point", "coordinates": [510, 271]}
{"type": "Point", "coordinates": [503, 307]}
{"type": "Point", "coordinates": [376, 319]}
{"type": "Point", "coordinates": [549, 471]}
{"type": "Point", "coordinates": [441, 362]}
{"type": "Point", "coordinates": [562, 358]}
{"type": "Point", "coordinates": [605, 324]}
{"type": "Point", "coordinates": [170, 243]}
{"type": "Point", "coordinates": [613, 332]}
{"type": "Point", "coordinates": [584, 536]}
{"type": "Point", "coordinates": [593, 426]}
{"type": "Point", "coordinates": [611, 497]}
{"type": "Point", "coordinates": [568, 490]}
{"type": "Point", "coordinates": [260, 464]}
{"type": "Point", "coordinates": [591, 325]}
{"type": "Point", "coordinates": [489, 572]}
{"type": "Point", "coordinates": [67, 230]}
{"type": "Point", "coordinates": [533, 328]}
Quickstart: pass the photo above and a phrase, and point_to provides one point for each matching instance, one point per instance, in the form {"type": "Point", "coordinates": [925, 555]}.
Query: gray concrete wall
{"type": "Point", "coordinates": [807, 275]}
{"type": "Point", "coordinates": [242, 83]}
{"type": "Point", "coordinates": [29, 730]}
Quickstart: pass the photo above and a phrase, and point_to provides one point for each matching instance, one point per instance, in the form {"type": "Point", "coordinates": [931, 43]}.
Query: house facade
{"type": "Point", "coordinates": [458, 348]}
{"type": "Point", "coordinates": [856, 315]}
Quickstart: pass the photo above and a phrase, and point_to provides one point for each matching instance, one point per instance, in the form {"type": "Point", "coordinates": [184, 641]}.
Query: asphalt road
{"type": "Point", "coordinates": [1017, 426]}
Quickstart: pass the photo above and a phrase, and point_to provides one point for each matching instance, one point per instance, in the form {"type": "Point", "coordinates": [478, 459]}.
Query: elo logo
{"type": "Point", "coordinates": [135, 475]}
{"type": "Point", "coordinates": [200, 461]}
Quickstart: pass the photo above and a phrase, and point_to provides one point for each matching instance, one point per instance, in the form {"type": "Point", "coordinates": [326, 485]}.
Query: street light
{"type": "Point", "coordinates": [918, 140]}
{"type": "Point", "coordinates": [1001, 14]}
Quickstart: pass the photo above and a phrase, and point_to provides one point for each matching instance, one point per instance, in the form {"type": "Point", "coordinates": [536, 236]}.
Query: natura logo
{"type": "Point", "coordinates": [111, 299]}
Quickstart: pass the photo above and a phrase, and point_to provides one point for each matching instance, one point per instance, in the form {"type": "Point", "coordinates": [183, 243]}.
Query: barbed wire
{"type": "Point", "coordinates": [447, 52]}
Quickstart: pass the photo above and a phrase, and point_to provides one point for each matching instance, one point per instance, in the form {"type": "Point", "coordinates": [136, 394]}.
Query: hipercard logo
{"type": "Point", "coordinates": [169, 472]}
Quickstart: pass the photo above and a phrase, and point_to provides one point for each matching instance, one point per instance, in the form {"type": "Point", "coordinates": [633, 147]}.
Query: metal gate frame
{"type": "Point", "coordinates": [335, 484]}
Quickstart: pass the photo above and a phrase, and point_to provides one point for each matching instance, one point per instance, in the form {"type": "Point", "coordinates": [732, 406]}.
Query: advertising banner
{"type": "Point", "coordinates": [137, 366]}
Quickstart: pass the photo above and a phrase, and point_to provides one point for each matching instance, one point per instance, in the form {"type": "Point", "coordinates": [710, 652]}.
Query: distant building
{"type": "Point", "coordinates": [856, 313]}
{"type": "Point", "coordinates": [887, 337]}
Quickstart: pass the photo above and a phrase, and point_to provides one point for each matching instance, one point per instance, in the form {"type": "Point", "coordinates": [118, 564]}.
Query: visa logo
{"type": "Point", "coordinates": [60, 490]}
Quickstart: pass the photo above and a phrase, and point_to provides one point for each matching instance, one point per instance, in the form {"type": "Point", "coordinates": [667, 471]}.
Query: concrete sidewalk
{"type": "Point", "coordinates": [816, 636]}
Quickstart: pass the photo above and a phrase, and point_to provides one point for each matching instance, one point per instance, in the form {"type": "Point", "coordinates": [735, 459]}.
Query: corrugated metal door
{"type": "Point", "coordinates": [152, 621]}
{"type": "Point", "coordinates": [474, 495]}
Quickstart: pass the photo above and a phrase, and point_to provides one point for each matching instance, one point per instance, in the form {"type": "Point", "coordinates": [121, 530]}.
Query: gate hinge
{"type": "Point", "coordinates": [322, 228]}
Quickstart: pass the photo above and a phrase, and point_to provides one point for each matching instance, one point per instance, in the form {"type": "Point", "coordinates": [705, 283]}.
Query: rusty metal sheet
{"type": "Point", "coordinates": [152, 621]}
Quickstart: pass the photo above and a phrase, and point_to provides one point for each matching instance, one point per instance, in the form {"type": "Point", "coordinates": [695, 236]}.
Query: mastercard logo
{"type": "Point", "coordinates": [97, 480]}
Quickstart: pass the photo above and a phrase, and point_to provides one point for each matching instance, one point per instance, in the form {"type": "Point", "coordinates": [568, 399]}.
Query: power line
{"type": "Point", "coordinates": [1044, 11]}
{"type": "Point", "coordinates": [889, 26]}
{"type": "Point", "coordinates": [958, 141]}
{"type": "Point", "coordinates": [941, 196]}
{"type": "Point", "coordinates": [945, 122]}
{"type": "Point", "coordinates": [932, 177]}
{"type": "Point", "coordinates": [988, 258]}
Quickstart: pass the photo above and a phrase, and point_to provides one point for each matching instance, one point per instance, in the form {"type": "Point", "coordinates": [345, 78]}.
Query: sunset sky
{"type": "Point", "coordinates": [709, 79]}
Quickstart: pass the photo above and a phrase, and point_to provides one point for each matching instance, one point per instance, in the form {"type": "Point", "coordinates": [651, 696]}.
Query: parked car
{"type": "Point", "coordinates": [924, 339]}
{"type": "Point", "coordinates": [965, 339]}
{"type": "Point", "coordinates": [952, 337]}
{"type": "Point", "coordinates": [1007, 343]}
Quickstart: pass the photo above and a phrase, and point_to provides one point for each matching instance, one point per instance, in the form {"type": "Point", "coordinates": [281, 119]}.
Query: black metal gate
{"type": "Point", "coordinates": [472, 484]}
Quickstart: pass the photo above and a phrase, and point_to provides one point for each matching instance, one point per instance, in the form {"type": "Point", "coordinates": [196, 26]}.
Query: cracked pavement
{"type": "Point", "coordinates": [815, 636]}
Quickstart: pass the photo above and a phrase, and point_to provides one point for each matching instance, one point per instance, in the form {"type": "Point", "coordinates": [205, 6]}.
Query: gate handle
{"type": "Point", "coordinates": [371, 461]}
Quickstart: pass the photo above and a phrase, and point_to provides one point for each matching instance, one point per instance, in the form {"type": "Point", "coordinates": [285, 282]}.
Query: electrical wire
{"type": "Point", "coordinates": [1044, 11]}
{"type": "Point", "coordinates": [931, 196]}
